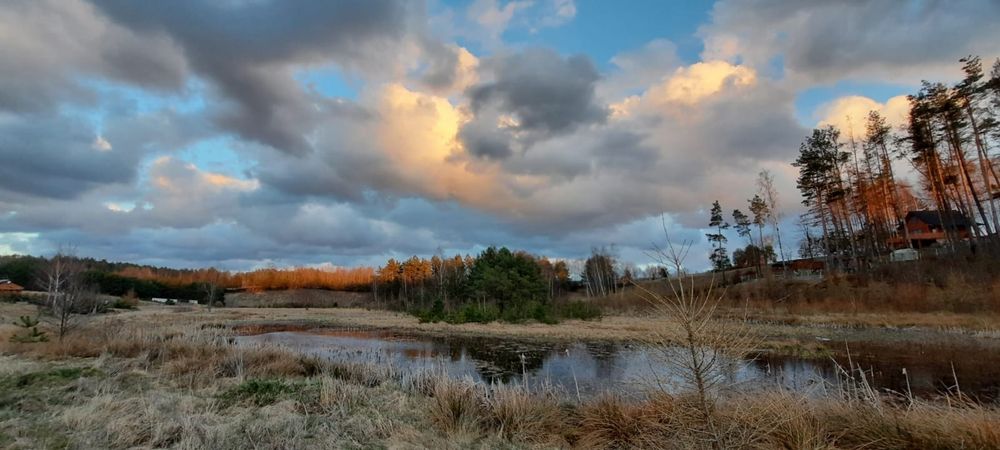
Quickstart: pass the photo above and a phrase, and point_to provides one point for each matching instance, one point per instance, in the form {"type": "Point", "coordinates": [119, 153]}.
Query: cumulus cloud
{"type": "Point", "coordinates": [851, 112]}
{"type": "Point", "coordinates": [692, 84]}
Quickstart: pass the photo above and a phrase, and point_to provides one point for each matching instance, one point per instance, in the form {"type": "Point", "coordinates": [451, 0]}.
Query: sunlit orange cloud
{"type": "Point", "coordinates": [851, 112]}
{"type": "Point", "coordinates": [687, 87]}
{"type": "Point", "coordinates": [163, 178]}
{"type": "Point", "coordinates": [419, 132]}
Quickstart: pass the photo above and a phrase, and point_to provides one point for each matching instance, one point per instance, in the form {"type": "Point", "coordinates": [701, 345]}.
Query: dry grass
{"type": "Point", "coordinates": [152, 384]}
{"type": "Point", "coordinates": [519, 415]}
{"type": "Point", "coordinates": [609, 422]}
{"type": "Point", "coordinates": [457, 405]}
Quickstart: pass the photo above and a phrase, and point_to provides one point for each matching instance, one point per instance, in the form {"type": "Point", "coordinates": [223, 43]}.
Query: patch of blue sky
{"type": "Point", "coordinates": [330, 82]}
{"type": "Point", "coordinates": [603, 29]}
{"type": "Point", "coordinates": [216, 155]}
{"type": "Point", "coordinates": [124, 98]}
{"type": "Point", "coordinates": [117, 99]}
{"type": "Point", "coordinates": [808, 102]}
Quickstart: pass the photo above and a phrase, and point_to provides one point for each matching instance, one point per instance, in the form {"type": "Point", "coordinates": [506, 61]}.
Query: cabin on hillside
{"type": "Point", "coordinates": [8, 287]}
{"type": "Point", "coordinates": [928, 228]}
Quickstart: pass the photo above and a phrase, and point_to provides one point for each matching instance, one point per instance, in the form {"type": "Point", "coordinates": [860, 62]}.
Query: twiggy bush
{"type": "Point", "coordinates": [709, 350]}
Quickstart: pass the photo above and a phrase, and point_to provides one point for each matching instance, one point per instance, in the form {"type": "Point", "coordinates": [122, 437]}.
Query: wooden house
{"type": "Point", "coordinates": [930, 228]}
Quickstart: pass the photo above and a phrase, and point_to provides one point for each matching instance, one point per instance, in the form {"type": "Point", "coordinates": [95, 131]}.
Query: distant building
{"type": "Point", "coordinates": [9, 287]}
{"type": "Point", "coordinates": [800, 266]}
{"type": "Point", "coordinates": [929, 228]}
{"type": "Point", "coordinates": [904, 254]}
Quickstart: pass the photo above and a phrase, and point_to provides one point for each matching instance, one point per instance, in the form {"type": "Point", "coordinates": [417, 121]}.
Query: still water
{"type": "Point", "coordinates": [588, 369]}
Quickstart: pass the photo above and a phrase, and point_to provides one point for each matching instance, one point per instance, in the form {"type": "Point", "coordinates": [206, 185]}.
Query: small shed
{"type": "Point", "coordinates": [904, 254]}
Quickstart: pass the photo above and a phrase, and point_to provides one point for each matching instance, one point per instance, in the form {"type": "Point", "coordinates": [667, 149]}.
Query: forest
{"type": "Point", "coordinates": [856, 187]}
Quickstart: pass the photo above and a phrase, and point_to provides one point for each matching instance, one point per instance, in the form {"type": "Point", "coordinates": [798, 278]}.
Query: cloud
{"type": "Point", "coordinates": [53, 156]}
{"type": "Point", "coordinates": [451, 69]}
{"type": "Point", "coordinates": [101, 144]}
{"type": "Point", "coordinates": [689, 89]}
{"type": "Point", "coordinates": [851, 112]}
{"type": "Point", "coordinates": [638, 69]}
{"type": "Point", "coordinates": [492, 18]}
{"type": "Point", "coordinates": [250, 52]}
{"type": "Point", "coordinates": [694, 83]}
{"type": "Point", "coordinates": [819, 41]}
{"type": "Point", "coordinates": [530, 96]}
{"type": "Point", "coordinates": [49, 45]}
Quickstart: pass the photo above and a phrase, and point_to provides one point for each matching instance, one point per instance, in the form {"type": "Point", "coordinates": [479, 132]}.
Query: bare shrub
{"type": "Point", "coordinates": [709, 350]}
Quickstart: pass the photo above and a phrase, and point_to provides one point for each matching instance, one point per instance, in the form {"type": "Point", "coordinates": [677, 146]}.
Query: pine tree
{"type": "Point", "coordinates": [719, 256]}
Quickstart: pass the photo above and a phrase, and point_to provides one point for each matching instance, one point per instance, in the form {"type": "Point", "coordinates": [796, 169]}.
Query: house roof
{"type": "Point", "coordinates": [933, 218]}
{"type": "Point", "coordinates": [7, 286]}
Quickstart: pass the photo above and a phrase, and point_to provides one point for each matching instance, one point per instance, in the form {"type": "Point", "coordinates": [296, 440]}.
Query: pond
{"type": "Point", "coordinates": [590, 368]}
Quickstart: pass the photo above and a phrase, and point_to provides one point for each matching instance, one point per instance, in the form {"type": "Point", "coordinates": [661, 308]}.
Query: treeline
{"type": "Point", "coordinates": [24, 271]}
{"type": "Point", "coordinates": [147, 282]}
{"type": "Point", "coordinates": [267, 279]}
{"type": "Point", "coordinates": [857, 203]}
{"type": "Point", "coordinates": [118, 285]}
{"type": "Point", "coordinates": [31, 272]}
{"type": "Point", "coordinates": [501, 276]}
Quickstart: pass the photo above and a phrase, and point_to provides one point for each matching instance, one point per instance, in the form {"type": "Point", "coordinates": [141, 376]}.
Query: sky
{"type": "Point", "coordinates": [249, 133]}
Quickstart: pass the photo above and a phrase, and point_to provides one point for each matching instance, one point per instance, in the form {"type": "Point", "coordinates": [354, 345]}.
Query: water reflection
{"type": "Point", "coordinates": [593, 368]}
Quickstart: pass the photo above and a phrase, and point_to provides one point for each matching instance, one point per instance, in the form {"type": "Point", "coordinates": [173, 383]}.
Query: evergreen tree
{"type": "Point", "coordinates": [719, 256]}
{"type": "Point", "coordinates": [760, 211]}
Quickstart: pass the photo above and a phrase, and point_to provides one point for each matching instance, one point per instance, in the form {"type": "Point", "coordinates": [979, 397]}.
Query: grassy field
{"type": "Point", "coordinates": [167, 377]}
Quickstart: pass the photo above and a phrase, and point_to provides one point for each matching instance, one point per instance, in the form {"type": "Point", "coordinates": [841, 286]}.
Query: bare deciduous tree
{"type": "Point", "coordinates": [67, 295]}
{"type": "Point", "coordinates": [765, 184]}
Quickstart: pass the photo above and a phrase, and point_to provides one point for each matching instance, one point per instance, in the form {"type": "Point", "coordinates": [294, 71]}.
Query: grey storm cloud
{"type": "Point", "coordinates": [442, 65]}
{"type": "Point", "coordinates": [48, 45]}
{"type": "Point", "coordinates": [823, 40]}
{"type": "Point", "coordinates": [250, 50]}
{"type": "Point", "coordinates": [544, 92]}
{"type": "Point", "coordinates": [54, 156]}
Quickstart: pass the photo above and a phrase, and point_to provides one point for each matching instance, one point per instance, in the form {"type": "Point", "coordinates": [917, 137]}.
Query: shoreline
{"type": "Point", "coordinates": [775, 336]}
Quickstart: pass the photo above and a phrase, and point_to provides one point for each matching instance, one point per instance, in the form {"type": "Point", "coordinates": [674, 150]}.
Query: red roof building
{"type": "Point", "coordinates": [7, 287]}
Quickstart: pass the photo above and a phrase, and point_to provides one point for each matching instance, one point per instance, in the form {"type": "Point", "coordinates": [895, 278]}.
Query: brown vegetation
{"type": "Point", "coordinates": [121, 382]}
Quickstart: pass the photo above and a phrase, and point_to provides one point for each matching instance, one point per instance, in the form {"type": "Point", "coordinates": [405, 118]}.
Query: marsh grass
{"type": "Point", "coordinates": [180, 385]}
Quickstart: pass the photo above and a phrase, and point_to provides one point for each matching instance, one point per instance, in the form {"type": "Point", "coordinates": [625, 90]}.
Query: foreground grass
{"type": "Point", "coordinates": [175, 382]}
